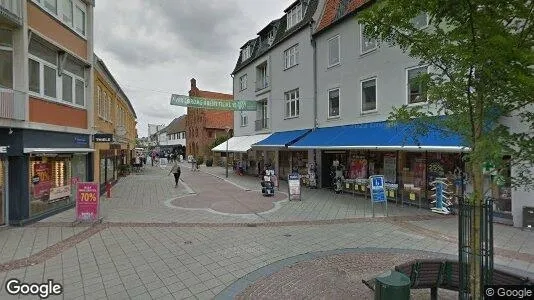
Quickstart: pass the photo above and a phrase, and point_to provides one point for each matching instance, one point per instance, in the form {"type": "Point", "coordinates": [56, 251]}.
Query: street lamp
{"type": "Point", "coordinates": [227, 128]}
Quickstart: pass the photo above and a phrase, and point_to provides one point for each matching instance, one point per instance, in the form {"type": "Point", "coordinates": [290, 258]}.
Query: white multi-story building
{"type": "Point", "coordinates": [324, 91]}
{"type": "Point", "coordinates": [276, 70]}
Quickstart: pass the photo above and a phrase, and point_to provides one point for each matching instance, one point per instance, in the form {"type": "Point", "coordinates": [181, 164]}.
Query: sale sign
{"type": "Point", "coordinates": [87, 201]}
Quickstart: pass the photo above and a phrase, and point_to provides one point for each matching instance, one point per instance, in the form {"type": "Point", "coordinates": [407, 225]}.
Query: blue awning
{"type": "Point", "coordinates": [282, 138]}
{"type": "Point", "coordinates": [380, 136]}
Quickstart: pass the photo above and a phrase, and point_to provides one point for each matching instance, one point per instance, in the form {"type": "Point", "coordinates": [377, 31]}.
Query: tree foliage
{"type": "Point", "coordinates": [481, 75]}
{"type": "Point", "coordinates": [480, 54]}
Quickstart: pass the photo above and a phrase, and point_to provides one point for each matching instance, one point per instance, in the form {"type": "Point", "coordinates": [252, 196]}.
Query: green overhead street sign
{"type": "Point", "coordinates": [197, 102]}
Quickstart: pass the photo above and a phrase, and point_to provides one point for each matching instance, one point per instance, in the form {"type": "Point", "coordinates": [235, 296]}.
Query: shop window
{"type": "Point", "coordinates": [2, 192]}
{"type": "Point", "coordinates": [502, 190]}
{"type": "Point", "coordinates": [50, 183]}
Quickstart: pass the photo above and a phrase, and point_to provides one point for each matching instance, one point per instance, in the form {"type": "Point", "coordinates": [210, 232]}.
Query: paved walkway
{"type": "Point", "coordinates": [148, 249]}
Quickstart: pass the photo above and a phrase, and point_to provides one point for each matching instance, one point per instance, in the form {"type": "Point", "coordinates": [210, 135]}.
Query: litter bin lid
{"type": "Point", "coordinates": [393, 278]}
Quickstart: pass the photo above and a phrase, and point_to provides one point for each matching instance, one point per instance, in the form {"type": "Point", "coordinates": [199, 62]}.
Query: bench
{"type": "Point", "coordinates": [434, 274]}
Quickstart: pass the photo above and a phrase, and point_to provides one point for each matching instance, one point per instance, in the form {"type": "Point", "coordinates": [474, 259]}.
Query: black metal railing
{"type": "Point", "coordinates": [470, 217]}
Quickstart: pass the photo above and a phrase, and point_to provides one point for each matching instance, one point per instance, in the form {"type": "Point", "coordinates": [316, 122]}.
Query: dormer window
{"type": "Point", "coordinates": [294, 16]}
{"type": "Point", "coordinates": [270, 37]}
{"type": "Point", "coordinates": [246, 53]}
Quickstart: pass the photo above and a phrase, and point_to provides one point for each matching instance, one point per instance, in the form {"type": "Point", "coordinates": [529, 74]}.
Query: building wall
{"type": "Point", "coordinates": [281, 80]}
{"type": "Point", "coordinates": [52, 28]}
{"type": "Point", "coordinates": [48, 112]}
{"type": "Point", "coordinates": [387, 64]}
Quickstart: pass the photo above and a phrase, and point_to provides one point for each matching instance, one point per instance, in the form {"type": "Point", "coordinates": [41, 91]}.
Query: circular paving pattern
{"type": "Point", "coordinates": [237, 202]}
{"type": "Point", "coordinates": [328, 275]}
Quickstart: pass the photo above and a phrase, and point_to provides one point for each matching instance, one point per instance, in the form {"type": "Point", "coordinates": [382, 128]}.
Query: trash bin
{"type": "Point", "coordinates": [392, 285]}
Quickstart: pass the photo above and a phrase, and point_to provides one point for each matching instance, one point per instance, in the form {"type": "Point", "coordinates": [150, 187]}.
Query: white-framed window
{"type": "Point", "coordinates": [67, 12]}
{"type": "Point", "coordinates": [270, 37]}
{"type": "Point", "coordinates": [420, 21]}
{"type": "Point", "coordinates": [6, 59]}
{"type": "Point", "coordinates": [79, 19]}
{"type": "Point", "coordinates": [292, 103]}
{"type": "Point", "coordinates": [416, 89]}
{"type": "Point", "coordinates": [369, 95]}
{"type": "Point", "coordinates": [72, 13]}
{"type": "Point", "coordinates": [291, 57]}
{"type": "Point", "coordinates": [333, 103]}
{"type": "Point", "coordinates": [244, 119]}
{"type": "Point", "coordinates": [245, 53]}
{"type": "Point", "coordinates": [294, 16]}
{"type": "Point", "coordinates": [366, 44]}
{"type": "Point", "coordinates": [333, 51]}
{"type": "Point", "coordinates": [45, 83]}
{"type": "Point", "coordinates": [99, 101]}
{"type": "Point", "coordinates": [243, 82]}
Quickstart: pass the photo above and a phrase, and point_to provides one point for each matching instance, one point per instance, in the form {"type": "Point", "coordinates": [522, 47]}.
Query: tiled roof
{"type": "Point", "coordinates": [215, 95]}
{"type": "Point", "coordinates": [259, 45]}
{"type": "Point", "coordinates": [177, 125]}
{"type": "Point", "coordinates": [337, 10]}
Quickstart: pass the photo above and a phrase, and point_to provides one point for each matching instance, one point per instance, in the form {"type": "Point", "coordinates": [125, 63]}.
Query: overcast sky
{"type": "Point", "coordinates": [153, 48]}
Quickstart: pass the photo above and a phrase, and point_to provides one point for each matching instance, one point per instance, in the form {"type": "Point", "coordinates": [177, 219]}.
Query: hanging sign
{"type": "Point", "coordinates": [87, 202]}
{"type": "Point", "coordinates": [198, 102]}
{"type": "Point", "coordinates": [293, 182]}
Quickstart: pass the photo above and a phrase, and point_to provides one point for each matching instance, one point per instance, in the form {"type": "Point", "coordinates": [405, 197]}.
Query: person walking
{"type": "Point", "coordinates": [176, 171]}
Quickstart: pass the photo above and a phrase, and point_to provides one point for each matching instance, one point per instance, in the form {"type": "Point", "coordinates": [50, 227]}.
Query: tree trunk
{"type": "Point", "coordinates": [475, 266]}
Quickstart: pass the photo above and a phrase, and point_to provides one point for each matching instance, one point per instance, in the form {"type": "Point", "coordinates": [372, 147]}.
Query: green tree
{"type": "Point", "coordinates": [480, 54]}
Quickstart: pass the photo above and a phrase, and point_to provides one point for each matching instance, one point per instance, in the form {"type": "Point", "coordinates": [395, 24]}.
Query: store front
{"type": "Point", "coordinates": [42, 168]}
{"type": "Point", "coordinates": [238, 149]}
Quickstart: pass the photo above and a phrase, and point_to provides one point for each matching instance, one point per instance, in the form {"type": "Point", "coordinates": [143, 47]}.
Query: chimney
{"type": "Point", "coordinates": [193, 84]}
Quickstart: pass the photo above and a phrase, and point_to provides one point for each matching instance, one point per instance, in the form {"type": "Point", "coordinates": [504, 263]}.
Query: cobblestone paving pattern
{"type": "Point", "coordinates": [334, 277]}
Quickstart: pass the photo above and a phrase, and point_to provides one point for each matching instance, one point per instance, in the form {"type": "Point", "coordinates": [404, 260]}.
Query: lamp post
{"type": "Point", "coordinates": [227, 138]}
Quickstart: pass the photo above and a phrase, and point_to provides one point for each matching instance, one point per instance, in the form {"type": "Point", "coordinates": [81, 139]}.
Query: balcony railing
{"type": "Point", "coordinates": [263, 83]}
{"type": "Point", "coordinates": [262, 124]}
{"type": "Point", "coordinates": [11, 9]}
{"type": "Point", "coordinates": [12, 104]}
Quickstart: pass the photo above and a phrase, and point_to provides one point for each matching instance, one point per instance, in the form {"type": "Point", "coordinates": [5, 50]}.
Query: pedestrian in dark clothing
{"type": "Point", "coordinates": [176, 171]}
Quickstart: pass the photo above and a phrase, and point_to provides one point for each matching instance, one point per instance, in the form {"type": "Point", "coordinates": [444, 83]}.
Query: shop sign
{"type": "Point", "coordinates": [198, 102]}
{"type": "Point", "coordinates": [103, 138]}
{"type": "Point", "coordinates": [378, 193]}
{"type": "Point", "coordinates": [87, 201]}
{"type": "Point", "coordinates": [81, 140]}
{"type": "Point", "coordinates": [60, 192]}
{"type": "Point", "coordinates": [377, 188]}
{"type": "Point", "coordinates": [114, 146]}
{"type": "Point", "coordinates": [3, 149]}
{"type": "Point", "coordinates": [293, 182]}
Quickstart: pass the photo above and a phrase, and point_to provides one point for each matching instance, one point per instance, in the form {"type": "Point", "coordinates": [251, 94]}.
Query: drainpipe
{"type": "Point", "coordinates": [314, 46]}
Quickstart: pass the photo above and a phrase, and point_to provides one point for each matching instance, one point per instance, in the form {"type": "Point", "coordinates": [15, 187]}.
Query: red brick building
{"type": "Point", "coordinates": [204, 125]}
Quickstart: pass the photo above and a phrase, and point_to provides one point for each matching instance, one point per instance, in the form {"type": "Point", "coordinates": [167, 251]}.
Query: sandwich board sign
{"type": "Point", "coordinates": [378, 193]}
{"type": "Point", "coordinates": [293, 183]}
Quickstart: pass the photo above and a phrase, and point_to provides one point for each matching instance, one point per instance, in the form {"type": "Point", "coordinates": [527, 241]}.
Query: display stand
{"type": "Point", "coordinates": [441, 196]}
{"type": "Point", "coordinates": [293, 184]}
{"type": "Point", "coordinates": [87, 203]}
{"type": "Point", "coordinates": [414, 194]}
{"type": "Point", "coordinates": [392, 191]}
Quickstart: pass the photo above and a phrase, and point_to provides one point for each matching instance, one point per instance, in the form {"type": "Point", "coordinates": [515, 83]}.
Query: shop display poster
{"type": "Point", "coordinates": [293, 181]}
{"type": "Point", "coordinates": [378, 193]}
{"type": "Point", "coordinates": [87, 201]}
{"type": "Point", "coordinates": [390, 168]}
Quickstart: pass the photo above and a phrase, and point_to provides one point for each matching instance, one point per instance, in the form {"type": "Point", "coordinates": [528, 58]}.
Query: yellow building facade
{"type": "Point", "coordinates": [115, 126]}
